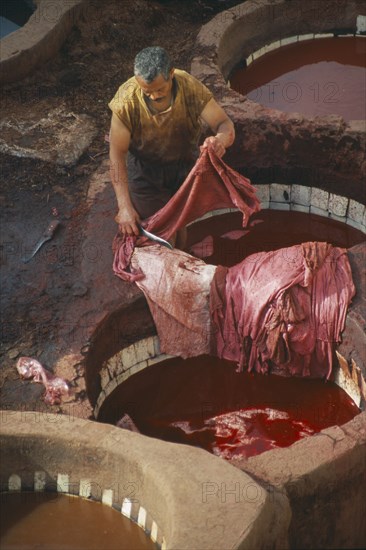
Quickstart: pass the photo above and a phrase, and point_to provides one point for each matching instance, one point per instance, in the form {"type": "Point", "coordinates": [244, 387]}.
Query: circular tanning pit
{"type": "Point", "coordinates": [43, 520]}
{"type": "Point", "coordinates": [219, 238]}
{"type": "Point", "coordinates": [203, 402]}
{"type": "Point", "coordinates": [323, 147]}
{"type": "Point", "coordinates": [312, 77]}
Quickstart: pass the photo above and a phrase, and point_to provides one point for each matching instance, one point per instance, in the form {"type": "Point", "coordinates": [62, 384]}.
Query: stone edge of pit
{"type": "Point", "coordinates": [324, 478]}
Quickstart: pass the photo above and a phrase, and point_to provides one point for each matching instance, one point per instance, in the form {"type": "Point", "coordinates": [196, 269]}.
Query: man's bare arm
{"type": "Point", "coordinates": [221, 125]}
{"type": "Point", "coordinates": [127, 217]}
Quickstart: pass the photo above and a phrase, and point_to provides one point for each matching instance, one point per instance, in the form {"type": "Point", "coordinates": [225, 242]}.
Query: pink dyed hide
{"type": "Point", "coordinates": [285, 308]}
{"type": "Point", "coordinates": [210, 185]}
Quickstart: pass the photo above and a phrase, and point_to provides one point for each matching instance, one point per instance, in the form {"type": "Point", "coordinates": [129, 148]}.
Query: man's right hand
{"type": "Point", "coordinates": [128, 220]}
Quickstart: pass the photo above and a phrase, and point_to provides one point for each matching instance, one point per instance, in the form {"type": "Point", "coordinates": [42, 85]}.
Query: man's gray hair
{"type": "Point", "coordinates": [151, 62]}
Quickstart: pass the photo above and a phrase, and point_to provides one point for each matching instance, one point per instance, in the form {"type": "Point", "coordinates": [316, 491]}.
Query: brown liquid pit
{"type": "Point", "coordinates": [52, 521]}
{"type": "Point", "coordinates": [314, 77]}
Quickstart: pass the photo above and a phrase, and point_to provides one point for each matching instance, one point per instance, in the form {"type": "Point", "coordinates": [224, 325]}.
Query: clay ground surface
{"type": "Point", "coordinates": [95, 59]}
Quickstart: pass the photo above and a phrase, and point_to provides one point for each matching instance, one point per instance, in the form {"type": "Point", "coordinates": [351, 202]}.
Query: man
{"type": "Point", "coordinates": [155, 128]}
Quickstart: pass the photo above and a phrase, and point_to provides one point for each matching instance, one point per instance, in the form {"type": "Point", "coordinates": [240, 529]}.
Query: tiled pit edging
{"type": "Point", "coordinates": [39, 39]}
{"type": "Point", "coordinates": [130, 360]}
{"type": "Point", "coordinates": [310, 200]}
{"type": "Point", "coordinates": [110, 327]}
{"type": "Point", "coordinates": [292, 40]}
{"type": "Point", "coordinates": [323, 152]}
{"type": "Point", "coordinates": [196, 500]}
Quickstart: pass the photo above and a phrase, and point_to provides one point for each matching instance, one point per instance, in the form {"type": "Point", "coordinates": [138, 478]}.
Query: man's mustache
{"type": "Point", "coordinates": [157, 100]}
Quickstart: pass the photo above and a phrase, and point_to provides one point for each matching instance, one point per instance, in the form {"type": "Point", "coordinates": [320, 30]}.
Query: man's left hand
{"type": "Point", "coordinates": [215, 144]}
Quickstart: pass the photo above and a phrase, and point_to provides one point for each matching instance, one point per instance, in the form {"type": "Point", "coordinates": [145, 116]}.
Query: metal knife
{"type": "Point", "coordinates": [47, 235]}
{"type": "Point", "coordinates": [155, 238]}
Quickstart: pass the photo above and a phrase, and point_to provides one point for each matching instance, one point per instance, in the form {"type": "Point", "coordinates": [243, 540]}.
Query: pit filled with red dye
{"type": "Point", "coordinates": [203, 402]}
{"type": "Point", "coordinates": [313, 77]}
{"type": "Point", "coordinates": [267, 230]}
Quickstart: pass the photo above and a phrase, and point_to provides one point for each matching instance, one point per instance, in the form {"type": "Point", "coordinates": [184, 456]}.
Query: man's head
{"type": "Point", "coordinates": [154, 73]}
{"type": "Point", "coordinates": [151, 62]}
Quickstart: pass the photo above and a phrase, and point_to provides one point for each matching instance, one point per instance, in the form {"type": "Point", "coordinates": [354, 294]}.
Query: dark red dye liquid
{"type": "Point", "coordinates": [203, 402]}
{"type": "Point", "coordinates": [269, 230]}
{"type": "Point", "coordinates": [314, 77]}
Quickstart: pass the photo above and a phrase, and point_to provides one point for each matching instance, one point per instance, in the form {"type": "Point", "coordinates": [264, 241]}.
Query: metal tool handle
{"type": "Point", "coordinates": [51, 228]}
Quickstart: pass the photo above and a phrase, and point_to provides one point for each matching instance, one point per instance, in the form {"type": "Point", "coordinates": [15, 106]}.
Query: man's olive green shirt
{"type": "Point", "coordinates": [168, 136]}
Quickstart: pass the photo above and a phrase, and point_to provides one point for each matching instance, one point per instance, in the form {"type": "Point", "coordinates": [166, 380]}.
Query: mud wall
{"type": "Point", "coordinates": [39, 39]}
